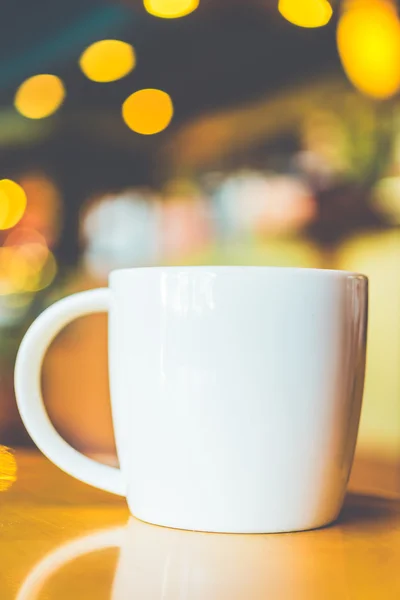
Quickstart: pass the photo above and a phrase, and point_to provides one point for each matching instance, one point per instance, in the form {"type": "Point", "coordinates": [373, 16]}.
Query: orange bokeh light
{"type": "Point", "coordinates": [148, 111]}
{"type": "Point", "coordinates": [44, 210]}
{"type": "Point", "coordinates": [24, 235]}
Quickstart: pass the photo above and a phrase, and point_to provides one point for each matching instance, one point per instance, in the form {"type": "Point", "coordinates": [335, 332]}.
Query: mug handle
{"type": "Point", "coordinates": [28, 369]}
{"type": "Point", "coordinates": [61, 556]}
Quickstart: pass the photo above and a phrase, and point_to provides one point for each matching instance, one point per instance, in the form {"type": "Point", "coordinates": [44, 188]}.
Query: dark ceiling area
{"type": "Point", "coordinates": [221, 56]}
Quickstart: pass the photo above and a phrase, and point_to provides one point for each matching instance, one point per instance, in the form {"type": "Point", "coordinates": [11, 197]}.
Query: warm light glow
{"type": "Point", "coordinates": [8, 469]}
{"type": "Point", "coordinates": [306, 13]}
{"type": "Point", "coordinates": [170, 9]}
{"type": "Point", "coordinates": [44, 210]}
{"type": "Point", "coordinates": [13, 271]}
{"type": "Point", "coordinates": [387, 198]}
{"type": "Point", "coordinates": [26, 264]}
{"type": "Point", "coordinates": [107, 60]}
{"type": "Point", "coordinates": [148, 111]}
{"type": "Point", "coordinates": [27, 268]}
{"type": "Point", "coordinates": [39, 96]}
{"type": "Point", "coordinates": [24, 235]}
{"type": "Point", "coordinates": [12, 203]}
{"type": "Point", "coordinates": [368, 38]}
{"type": "Point", "coordinates": [41, 279]}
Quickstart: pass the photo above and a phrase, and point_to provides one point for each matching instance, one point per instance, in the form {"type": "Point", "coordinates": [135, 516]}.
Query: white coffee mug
{"type": "Point", "coordinates": [235, 391]}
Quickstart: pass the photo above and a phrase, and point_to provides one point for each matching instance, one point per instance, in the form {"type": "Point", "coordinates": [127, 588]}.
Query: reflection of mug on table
{"type": "Point", "coordinates": [164, 564]}
{"type": "Point", "coordinates": [236, 393]}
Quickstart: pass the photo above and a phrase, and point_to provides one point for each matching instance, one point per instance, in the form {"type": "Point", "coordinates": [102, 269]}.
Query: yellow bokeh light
{"type": "Point", "coordinates": [306, 13]}
{"type": "Point", "coordinates": [26, 264]}
{"type": "Point", "coordinates": [368, 38]}
{"type": "Point", "coordinates": [28, 268]}
{"type": "Point", "coordinates": [170, 9]}
{"type": "Point", "coordinates": [39, 96]}
{"type": "Point", "coordinates": [40, 278]}
{"type": "Point", "coordinates": [8, 469]}
{"type": "Point", "coordinates": [14, 271]}
{"type": "Point", "coordinates": [107, 60]}
{"type": "Point", "coordinates": [148, 111]}
{"type": "Point", "coordinates": [12, 203]}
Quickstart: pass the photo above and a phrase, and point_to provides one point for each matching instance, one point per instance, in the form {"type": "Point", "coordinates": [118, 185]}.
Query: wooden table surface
{"type": "Point", "coordinates": [62, 540]}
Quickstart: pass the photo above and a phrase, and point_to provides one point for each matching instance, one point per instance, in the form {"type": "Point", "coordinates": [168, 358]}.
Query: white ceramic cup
{"type": "Point", "coordinates": [235, 391]}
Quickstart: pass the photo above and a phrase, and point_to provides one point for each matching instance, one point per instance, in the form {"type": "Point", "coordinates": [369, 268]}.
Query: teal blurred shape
{"type": "Point", "coordinates": [61, 44]}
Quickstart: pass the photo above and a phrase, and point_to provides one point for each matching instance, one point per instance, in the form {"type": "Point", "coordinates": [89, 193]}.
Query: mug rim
{"type": "Point", "coordinates": [305, 270]}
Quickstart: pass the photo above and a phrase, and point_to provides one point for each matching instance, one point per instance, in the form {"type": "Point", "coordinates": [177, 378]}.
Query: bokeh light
{"type": "Point", "coordinates": [44, 210]}
{"type": "Point", "coordinates": [120, 230]}
{"type": "Point", "coordinates": [13, 271]}
{"type": "Point", "coordinates": [387, 198]}
{"type": "Point", "coordinates": [23, 235]}
{"type": "Point", "coordinates": [27, 268]}
{"type": "Point", "coordinates": [325, 153]}
{"type": "Point", "coordinates": [306, 13]}
{"type": "Point", "coordinates": [41, 278]}
{"type": "Point", "coordinates": [26, 264]}
{"type": "Point", "coordinates": [368, 38]}
{"type": "Point", "coordinates": [170, 9]}
{"type": "Point", "coordinates": [39, 96]}
{"type": "Point", "coordinates": [12, 203]}
{"type": "Point", "coordinates": [148, 111]}
{"type": "Point", "coordinates": [250, 202]}
{"type": "Point", "coordinates": [107, 60]}
{"type": "Point", "coordinates": [8, 468]}
{"type": "Point", "coordinates": [186, 226]}
{"type": "Point", "coordinates": [291, 206]}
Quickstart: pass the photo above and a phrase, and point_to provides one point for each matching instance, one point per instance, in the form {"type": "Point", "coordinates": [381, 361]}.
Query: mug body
{"type": "Point", "coordinates": [236, 393]}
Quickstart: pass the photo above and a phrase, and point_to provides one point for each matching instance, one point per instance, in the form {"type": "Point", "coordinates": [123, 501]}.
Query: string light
{"type": "Point", "coordinates": [307, 13]}
{"type": "Point", "coordinates": [148, 111]}
{"type": "Point", "coordinates": [12, 203]}
{"type": "Point", "coordinates": [368, 38]}
{"type": "Point", "coordinates": [170, 9]}
{"type": "Point", "coordinates": [39, 96]}
{"type": "Point", "coordinates": [107, 60]}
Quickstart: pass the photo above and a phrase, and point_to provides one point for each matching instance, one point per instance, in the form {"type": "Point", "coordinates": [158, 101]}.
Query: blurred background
{"type": "Point", "coordinates": [167, 132]}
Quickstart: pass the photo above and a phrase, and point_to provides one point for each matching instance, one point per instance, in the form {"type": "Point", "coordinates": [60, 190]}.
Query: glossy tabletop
{"type": "Point", "coordinates": [62, 540]}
